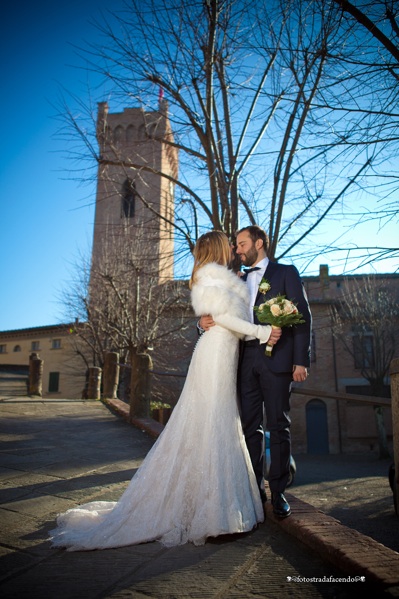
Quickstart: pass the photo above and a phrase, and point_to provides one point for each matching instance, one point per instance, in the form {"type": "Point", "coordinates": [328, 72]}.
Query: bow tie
{"type": "Point", "coordinates": [248, 270]}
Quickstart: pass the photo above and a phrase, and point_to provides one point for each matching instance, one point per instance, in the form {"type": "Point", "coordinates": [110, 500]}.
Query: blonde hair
{"type": "Point", "coordinates": [213, 246]}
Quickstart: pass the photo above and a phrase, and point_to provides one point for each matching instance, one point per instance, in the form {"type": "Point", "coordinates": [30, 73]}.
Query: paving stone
{"type": "Point", "coordinates": [38, 505]}
{"type": "Point", "coordinates": [82, 452]}
{"type": "Point", "coordinates": [13, 562]}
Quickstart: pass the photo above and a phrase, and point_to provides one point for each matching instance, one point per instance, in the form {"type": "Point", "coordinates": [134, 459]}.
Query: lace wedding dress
{"type": "Point", "coordinates": [197, 480]}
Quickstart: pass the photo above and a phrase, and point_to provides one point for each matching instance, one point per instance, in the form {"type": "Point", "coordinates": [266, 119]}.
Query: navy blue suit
{"type": "Point", "coordinates": [264, 381]}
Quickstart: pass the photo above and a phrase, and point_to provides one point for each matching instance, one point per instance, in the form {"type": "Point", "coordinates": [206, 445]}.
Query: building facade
{"type": "Point", "coordinates": [64, 374]}
{"type": "Point", "coordinates": [331, 425]}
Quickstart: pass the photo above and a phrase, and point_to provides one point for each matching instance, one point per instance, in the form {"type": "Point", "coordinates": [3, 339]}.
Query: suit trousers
{"type": "Point", "coordinates": [259, 389]}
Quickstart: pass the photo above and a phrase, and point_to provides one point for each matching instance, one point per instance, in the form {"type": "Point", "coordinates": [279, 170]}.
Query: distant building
{"type": "Point", "coordinates": [64, 374]}
{"type": "Point", "coordinates": [321, 425]}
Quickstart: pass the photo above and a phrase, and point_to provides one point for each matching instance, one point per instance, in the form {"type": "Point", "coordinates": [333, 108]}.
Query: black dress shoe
{"type": "Point", "coordinates": [281, 507]}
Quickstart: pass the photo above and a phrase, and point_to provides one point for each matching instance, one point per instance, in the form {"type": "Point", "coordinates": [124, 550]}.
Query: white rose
{"type": "Point", "coordinates": [288, 307]}
{"type": "Point", "coordinates": [275, 310]}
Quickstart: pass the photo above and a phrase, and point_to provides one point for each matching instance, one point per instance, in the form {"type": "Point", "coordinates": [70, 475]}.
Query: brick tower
{"type": "Point", "coordinates": [135, 192]}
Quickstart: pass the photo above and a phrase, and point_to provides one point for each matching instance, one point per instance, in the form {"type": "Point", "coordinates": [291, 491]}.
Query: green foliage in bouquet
{"type": "Point", "coordinates": [279, 312]}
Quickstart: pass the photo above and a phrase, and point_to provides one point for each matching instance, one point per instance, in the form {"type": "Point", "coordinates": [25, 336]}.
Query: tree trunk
{"type": "Point", "coordinates": [140, 387]}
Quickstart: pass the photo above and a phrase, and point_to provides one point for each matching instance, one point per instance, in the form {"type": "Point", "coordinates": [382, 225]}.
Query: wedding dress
{"type": "Point", "coordinates": [197, 480]}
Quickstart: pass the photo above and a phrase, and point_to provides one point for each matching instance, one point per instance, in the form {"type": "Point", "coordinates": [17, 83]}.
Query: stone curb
{"type": "Point", "coordinates": [148, 425]}
{"type": "Point", "coordinates": [349, 550]}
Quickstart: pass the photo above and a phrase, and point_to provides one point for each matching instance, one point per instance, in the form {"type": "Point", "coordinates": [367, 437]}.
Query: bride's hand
{"type": "Point", "coordinates": [206, 322]}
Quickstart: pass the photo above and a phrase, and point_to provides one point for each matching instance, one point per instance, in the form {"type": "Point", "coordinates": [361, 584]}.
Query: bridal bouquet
{"type": "Point", "coordinates": [279, 312]}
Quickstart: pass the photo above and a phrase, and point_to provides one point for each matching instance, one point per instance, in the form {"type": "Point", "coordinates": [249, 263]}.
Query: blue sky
{"type": "Point", "coordinates": [44, 220]}
{"type": "Point", "coordinates": [47, 219]}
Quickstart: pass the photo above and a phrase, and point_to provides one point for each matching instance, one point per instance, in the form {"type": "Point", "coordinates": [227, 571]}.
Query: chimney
{"type": "Point", "coordinates": [324, 276]}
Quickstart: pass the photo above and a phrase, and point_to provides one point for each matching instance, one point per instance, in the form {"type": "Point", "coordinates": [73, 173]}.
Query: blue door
{"type": "Point", "coordinates": [317, 427]}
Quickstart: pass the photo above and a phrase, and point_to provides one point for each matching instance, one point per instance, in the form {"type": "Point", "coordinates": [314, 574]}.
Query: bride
{"type": "Point", "coordinates": [197, 480]}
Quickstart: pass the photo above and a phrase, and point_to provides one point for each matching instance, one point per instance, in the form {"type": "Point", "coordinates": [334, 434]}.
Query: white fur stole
{"type": "Point", "coordinates": [218, 290]}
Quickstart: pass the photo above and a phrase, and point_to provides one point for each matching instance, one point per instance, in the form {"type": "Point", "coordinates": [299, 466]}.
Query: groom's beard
{"type": "Point", "coordinates": [250, 257]}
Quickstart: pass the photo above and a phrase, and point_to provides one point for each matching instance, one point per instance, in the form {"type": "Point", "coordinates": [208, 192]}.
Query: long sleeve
{"type": "Point", "coordinates": [237, 325]}
{"type": "Point", "coordinates": [223, 295]}
{"type": "Point", "coordinates": [301, 333]}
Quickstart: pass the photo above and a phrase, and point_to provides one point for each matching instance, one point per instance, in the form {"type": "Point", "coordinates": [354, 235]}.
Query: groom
{"type": "Point", "coordinates": [264, 381]}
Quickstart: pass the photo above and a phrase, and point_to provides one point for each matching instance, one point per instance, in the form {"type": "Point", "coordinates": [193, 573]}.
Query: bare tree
{"type": "Point", "coordinates": [266, 103]}
{"type": "Point", "coordinates": [120, 306]}
{"type": "Point", "coordinates": [373, 28]}
{"type": "Point", "coordinates": [371, 15]}
{"type": "Point", "coordinates": [366, 322]}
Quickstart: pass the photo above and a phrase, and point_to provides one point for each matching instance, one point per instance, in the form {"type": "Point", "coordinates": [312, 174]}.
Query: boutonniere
{"type": "Point", "coordinates": [264, 286]}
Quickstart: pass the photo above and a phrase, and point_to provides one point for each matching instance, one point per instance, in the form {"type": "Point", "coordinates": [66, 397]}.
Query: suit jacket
{"type": "Point", "coordinates": [294, 344]}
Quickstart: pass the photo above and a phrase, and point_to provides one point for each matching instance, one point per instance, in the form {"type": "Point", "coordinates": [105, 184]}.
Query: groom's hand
{"type": "Point", "coordinates": [206, 322]}
{"type": "Point", "coordinates": [300, 374]}
{"type": "Point", "coordinates": [274, 335]}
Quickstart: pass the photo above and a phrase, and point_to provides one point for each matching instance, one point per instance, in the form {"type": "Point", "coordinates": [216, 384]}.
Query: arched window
{"type": "Point", "coordinates": [130, 134]}
{"type": "Point", "coordinates": [17, 348]}
{"type": "Point", "coordinates": [118, 134]}
{"type": "Point", "coordinates": [129, 194]}
{"type": "Point", "coordinates": [151, 130]}
{"type": "Point", "coordinates": [142, 132]}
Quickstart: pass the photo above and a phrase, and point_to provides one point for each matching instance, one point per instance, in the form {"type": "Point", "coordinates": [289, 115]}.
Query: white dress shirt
{"type": "Point", "coordinates": [253, 281]}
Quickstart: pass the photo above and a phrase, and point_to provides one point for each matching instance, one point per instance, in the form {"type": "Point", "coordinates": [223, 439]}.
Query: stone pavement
{"type": "Point", "coordinates": [59, 453]}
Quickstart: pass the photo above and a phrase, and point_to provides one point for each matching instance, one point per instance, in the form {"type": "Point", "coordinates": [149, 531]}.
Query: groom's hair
{"type": "Point", "coordinates": [256, 233]}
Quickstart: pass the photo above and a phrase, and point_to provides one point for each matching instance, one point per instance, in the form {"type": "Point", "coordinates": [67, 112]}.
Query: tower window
{"type": "Point", "coordinates": [130, 134]}
{"type": "Point", "coordinates": [129, 194]}
{"type": "Point", "coordinates": [118, 134]}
